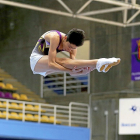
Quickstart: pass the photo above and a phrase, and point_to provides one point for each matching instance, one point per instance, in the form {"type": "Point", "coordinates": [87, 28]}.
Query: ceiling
{"type": "Point", "coordinates": [117, 5]}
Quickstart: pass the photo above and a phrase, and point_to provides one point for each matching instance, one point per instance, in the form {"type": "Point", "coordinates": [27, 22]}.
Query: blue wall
{"type": "Point", "coordinates": [40, 131]}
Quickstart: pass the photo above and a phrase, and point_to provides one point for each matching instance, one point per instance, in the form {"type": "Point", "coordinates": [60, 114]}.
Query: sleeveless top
{"type": "Point", "coordinates": [42, 46]}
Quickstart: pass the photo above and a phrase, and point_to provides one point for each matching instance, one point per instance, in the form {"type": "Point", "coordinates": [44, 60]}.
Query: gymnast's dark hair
{"type": "Point", "coordinates": [76, 36]}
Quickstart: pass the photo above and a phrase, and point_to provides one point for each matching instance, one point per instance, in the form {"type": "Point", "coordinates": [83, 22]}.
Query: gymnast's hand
{"type": "Point", "coordinates": [75, 70]}
{"type": "Point", "coordinates": [86, 70]}
{"type": "Point", "coordinates": [81, 71]}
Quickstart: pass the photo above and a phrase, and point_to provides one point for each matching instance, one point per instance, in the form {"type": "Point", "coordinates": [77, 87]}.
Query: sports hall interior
{"type": "Point", "coordinates": [42, 108]}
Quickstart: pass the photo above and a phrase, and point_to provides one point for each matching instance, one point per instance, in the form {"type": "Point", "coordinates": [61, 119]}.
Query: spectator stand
{"type": "Point", "coordinates": [76, 114]}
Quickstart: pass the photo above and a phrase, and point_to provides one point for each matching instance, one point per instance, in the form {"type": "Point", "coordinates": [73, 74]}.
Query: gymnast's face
{"type": "Point", "coordinates": [67, 46]}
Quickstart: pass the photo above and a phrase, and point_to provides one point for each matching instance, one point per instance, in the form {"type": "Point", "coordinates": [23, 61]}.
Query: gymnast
{"type": "Point", "coordinates": [43, 58]}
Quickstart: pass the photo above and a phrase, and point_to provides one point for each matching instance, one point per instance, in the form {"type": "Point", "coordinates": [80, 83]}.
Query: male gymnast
{"type": "Point", "coordinates": [43, 58]}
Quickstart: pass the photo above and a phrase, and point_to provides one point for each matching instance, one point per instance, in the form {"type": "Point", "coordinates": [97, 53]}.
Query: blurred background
{"type": "Point", "coordinates": [89, 104]}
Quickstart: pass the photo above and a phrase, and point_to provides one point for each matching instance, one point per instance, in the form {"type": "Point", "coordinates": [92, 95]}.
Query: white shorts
{"type": "Point", "coordinates": [33, 60]}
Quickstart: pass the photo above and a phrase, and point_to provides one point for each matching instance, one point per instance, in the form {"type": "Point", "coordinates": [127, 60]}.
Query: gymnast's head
{"type": "Point", "coordinates": [76, 37]}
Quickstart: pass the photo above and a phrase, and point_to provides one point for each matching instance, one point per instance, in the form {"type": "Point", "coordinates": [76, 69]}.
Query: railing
{"type": "Point", "coordinates": [79, 113]}
{"type": "Point", "coordinates": [63, 83]}
{"type": "Point", "coordinates": [76, 114]}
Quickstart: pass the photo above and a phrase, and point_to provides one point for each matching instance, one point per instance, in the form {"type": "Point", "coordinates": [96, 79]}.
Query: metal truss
{"type": "Point", "coordinates": [123, 6]}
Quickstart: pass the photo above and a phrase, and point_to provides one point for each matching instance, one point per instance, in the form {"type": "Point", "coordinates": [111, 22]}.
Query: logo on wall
{"type": "Point", "coordinates": [134, 108]}
{"type": "Point", "coordinates": [138, 50]}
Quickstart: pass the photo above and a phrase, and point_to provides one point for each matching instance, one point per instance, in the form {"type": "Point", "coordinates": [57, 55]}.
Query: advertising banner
{"type": "Point", "coordinates": [129, 116]}
{"type": "Point", "coordinates": [135, 60]}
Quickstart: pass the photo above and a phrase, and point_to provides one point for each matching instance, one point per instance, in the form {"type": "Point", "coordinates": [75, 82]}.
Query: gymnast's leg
{"type": "Point", "coordinates": [102, 64]}
{"type": "Point", "coordinates": [99, 64]}
{"type": "Point", "coordinates": [42, 64]}
{"type": "Point", "coordinates": [70, 63]}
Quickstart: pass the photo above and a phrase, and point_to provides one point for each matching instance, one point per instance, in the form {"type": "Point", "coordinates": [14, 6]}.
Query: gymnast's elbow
{"type": "Point", "coordinates": [51, 65]}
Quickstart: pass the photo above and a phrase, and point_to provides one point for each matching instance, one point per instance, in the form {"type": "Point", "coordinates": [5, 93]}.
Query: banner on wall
{"type": "Point", "coordinates": [129, 116]}
{"type": "Point", "coordinates": [135, 60]}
